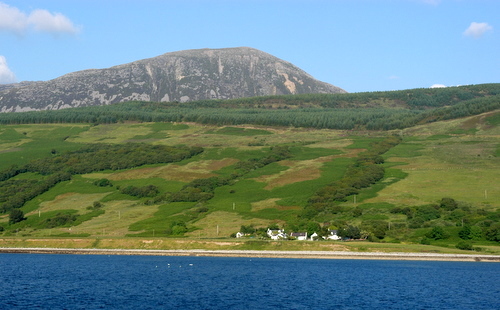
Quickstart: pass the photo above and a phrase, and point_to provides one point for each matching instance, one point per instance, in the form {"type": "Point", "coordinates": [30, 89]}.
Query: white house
{"type": "Point", "coordinates": [299, 235]}
{"type": "Point", "coordinates": [276, 234]}
{"type": "Point", "coordinates": [314, 236]}
{"type": "Point", "coordinates": [239, 234]}
{"type": "Point", "coordinates": [333, 235]}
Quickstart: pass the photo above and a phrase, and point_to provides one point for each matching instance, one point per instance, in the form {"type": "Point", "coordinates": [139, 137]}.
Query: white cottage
{"type": "Point", "coordinates": [276, 234]}
{"type": "Point", "coordinates": [333, 235]}
{"type": "Point", "coordinates": [239, 234]}
{"type": "Point", "coordinates": [299, 235]}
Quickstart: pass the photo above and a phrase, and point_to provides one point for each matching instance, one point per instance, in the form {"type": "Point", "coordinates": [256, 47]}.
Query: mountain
{"type": "Point", "coordinates": [4, 87]}
{"type": "Point", "coordinates": [178, 76]}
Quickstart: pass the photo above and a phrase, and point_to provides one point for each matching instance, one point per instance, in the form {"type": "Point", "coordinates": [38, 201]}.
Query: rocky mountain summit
{"type": "Point", "coordinates": [178, 76]}
{"type": "Point", "coordinates": [4, 87]}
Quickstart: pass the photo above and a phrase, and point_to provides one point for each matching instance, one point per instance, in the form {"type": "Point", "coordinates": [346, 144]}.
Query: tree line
{"type": "Point", "coordinates": [363, 172]}
{"type": "Point", "coordinates": [91, 158]}
{"type": "Point", "coordinates": [203, 189]}
{"type": "Point", "coordinates": [329, 111]}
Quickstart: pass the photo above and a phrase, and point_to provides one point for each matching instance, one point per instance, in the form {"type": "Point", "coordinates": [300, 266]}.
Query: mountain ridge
{"type": "Point", "coordinates": [180, 76]}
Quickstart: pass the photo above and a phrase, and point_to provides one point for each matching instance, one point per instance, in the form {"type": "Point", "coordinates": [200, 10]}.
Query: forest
{"type": "Point", "coordinates": [358, 111]}
{"type": "Point", "coordinates": [88, 159]}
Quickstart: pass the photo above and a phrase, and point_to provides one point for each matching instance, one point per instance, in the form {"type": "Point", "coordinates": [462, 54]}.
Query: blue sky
{"type": "Point", "coordinates": [358, 45]}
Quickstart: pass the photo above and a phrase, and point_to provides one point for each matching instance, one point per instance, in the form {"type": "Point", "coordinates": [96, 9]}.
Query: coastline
{"type": "Point", "coordinates": [263, 254]}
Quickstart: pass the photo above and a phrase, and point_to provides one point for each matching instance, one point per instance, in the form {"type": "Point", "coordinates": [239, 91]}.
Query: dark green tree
{"type": "Point", "coordinates": [493, 233]}
{"type": "Point", "coordinates": [350, 232]}
{"type": "Point", "coordinates": [448, 204]}
{"type": "Point", "coordinates": [437, 233]}
{"type": "Point", "coordinates": [103, 182]}
{"type": "Point", "coordinates": [247, 230]}
{"type": "Point", "coordinates": [470, 232]}
{"type": "Point", "coordinates": [464, 245]}
{"type": "Point", "coordinates": [16, 216]}
{"type": "Point", "coordinates": [464, 233]}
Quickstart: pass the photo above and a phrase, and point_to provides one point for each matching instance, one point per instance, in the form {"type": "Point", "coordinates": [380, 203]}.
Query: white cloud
{"type": "Point", "coordinates": [44, 21]}
{"type": "Point", "coordinates": [6, 76]}
{"type": "Point", "coordinates": [476, 30]}
{"type": "Point", "coordinates": [15, 21]}
{"type": "Point", "coordinates": [438, 86]}
{"type": "Point", "coordinates": [12, 20]}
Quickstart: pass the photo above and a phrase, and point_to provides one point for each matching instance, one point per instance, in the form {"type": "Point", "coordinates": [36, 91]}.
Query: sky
{"type": "Point", "coordinates": [358, 45]}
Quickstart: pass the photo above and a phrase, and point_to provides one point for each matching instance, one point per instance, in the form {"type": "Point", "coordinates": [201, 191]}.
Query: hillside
{"type": "Point", "coordinates": [433, 183]}
{"type": "Point", "coordinates": [172, 77]}
{"type": "Point", "coordinates": [357, 111]}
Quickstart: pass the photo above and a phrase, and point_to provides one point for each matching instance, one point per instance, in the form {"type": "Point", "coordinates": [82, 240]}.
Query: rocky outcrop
{"type": "Point", "coordinates": [179, 76]}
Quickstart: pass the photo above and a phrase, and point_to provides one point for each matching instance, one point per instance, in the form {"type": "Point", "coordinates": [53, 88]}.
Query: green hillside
{"type": "Point", "coordinates": [89, 173]}
{"type": "Point", "coordinates": [358, 111]}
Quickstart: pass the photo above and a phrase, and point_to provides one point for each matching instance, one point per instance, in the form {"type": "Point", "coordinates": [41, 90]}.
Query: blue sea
{"type": "Point", "coordinates": [45, 281]}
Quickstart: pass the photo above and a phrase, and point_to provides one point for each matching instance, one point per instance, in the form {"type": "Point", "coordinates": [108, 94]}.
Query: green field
{"type": "Point", "coordinates": [456, 159]}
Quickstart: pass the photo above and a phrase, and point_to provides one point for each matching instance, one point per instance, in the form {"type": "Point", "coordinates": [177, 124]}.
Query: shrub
{"type": "Point", "coordinates": [103, 183]}
{"type": "Point", "coordinates": [470, 232]}
{"type": "Point", "coordinates": [425, 241]}
{"type": "Point", "coordinates": [448, 204]}
{"type": "Point", "coordinates": [357, 212]}
{"type": "Point", "coordinates": [350, 232]}
{"type": "Point", "coordinates": [144, 191]}
{"type": "Point", "coordinates": [60, 220]}
{"type": "Point", "coordinates": [437, 233]}
{"type": "Point", "coordinates": [429, 212]}
{"type": "Point", "coordinates": [493, 233]}
{"type": "Point", "coordinates": [202, 210]}
{"type": "Point", "coordinates": [464, 245]}
{"type": "Point", "coordinates": [247, 230]}
{"type": "Point", "coordinates": [16, 216]}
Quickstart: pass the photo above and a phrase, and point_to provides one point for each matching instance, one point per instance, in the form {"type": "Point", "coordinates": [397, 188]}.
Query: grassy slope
{"type": "Point", "coordinates": [457, 158]}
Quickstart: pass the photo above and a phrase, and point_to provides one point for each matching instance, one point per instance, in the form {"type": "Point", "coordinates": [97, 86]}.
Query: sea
{"type": "Point", "coordinates": [56, 281]}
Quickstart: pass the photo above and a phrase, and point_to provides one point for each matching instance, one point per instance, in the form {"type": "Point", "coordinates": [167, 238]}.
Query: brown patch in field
{"type": "Point", "coordinates": [63, 196]}
{"type": "Point", "coordinates": [271, 203]}
{"type": "Point", "coordinates": [479, 120]}
{"type": "Point", "coordinates": [350, 153]}
{"type": "Point", "coordinates": [74, 201]}
{"type": "Point", "coordinates": [192, 171]}
{"type": "Point", "coordinates": [9, 150]}
{"type": "Point", "coordinates": [63, 243]}
{"type": "Point", "coordinates": [303, 170]}
{"type": "Point", "coordinates": [222, 224]}
{"type": "Point", "coordinates": [473, 122]}
{"type": "Point", "coordinates": [299, 171]}
{"type": "Point", "coordinates": [331, 144]}
{"type": "Point", "coordinates": [282, 208]}
{"type": "Point", "coordinates": [334, 247]}
{"type": "Point", "coordinates": [264, 204]}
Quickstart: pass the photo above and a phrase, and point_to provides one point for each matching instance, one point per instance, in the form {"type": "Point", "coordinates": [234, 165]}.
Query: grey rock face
{"type": "Point", "coordinates": [179, 76]}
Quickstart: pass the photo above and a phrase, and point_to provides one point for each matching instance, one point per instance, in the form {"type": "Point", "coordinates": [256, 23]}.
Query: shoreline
{"type": "Point", "coordinates": [262, 254]}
